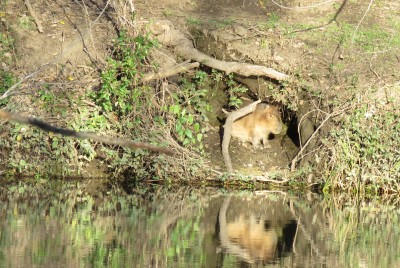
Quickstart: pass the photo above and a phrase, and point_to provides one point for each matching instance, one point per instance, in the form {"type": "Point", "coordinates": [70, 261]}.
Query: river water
{"type": "Point", "coordinates": [78, 225]}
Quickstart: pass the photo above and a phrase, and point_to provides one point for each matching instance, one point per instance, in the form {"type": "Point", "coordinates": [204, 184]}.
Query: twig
{"type": "Point", "coordinates": [82, 135]}
{"type": "Point", "coordinates": [359, 23]}
{"type": "Point", "coordinates": [170, 72]}
{"type": "Point", "coordinates": [372, 70]}
{"type": "Point", "coordinates": [228, 130]}
{"type": "Point", "coordinates": [33, 14]}
{"type": "Point", "coordinates": [296, 158]}
{"type": "Point", "coordinates": [8, 92]}
{"type": "Point", "coordinates": [303, 7]}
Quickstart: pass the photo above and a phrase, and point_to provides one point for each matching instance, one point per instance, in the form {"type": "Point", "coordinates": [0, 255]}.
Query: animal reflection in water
{"type": "Point", "coordinates": [252, 239]}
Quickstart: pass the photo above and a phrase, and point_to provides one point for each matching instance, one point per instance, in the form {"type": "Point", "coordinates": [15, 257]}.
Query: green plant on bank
{"type": "Point", "coordinates": [193, 21]}
{"type": "Point", "coordinates": [189, 108]}
{"type": "Point", "coordinates": [271, 23]}
{"type": "Point", "coordinates": [369, 39]}
{"type": "Point", "coordinates": [26, 23]}
{"type": "Point", "coordinates": [234, 90]}
{"type": "Point", "coordinates": [144, 113]}
{"type": "Point", "coordinates": [7, 79]}
{"type": "Point", "coordinates": [365, 151]}
{"type": "Point", "coordinates": [28, 147]}
{"type": "Point", "coordinates": [222, 23]}
{"type": "Point", "coordinates": [287, 94]}
{"type": "Point", "coordinates": [119, 91]}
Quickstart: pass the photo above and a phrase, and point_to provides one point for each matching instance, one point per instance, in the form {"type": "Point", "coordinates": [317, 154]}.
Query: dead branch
{"type": "Point", "coordinates": [166, 34]}
{"type": "Point", "coordinates": [170, 72]}
{"type": "Point", "coordinates": [82, 135]}
{"type": "Point", "coordinates": [33, 14]}
{"type": "Point", "coordinates": [261, 179]}
{"type": "Point", "coordinates": [330, 115]}
{"type": "Point", "coordinates": [228, 130]}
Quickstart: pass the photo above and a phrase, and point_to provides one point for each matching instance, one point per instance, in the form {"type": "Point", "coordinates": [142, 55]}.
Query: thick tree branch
{"type": "Point", "coordinates": [170, 72]}
{"type": "Point", "coordinates": [167, 35]}
{"type": "Point", "coordinates": [81, 135]}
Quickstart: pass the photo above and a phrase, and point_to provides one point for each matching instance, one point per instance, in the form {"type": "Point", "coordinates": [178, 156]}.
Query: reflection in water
{"type": "Point", "coordinates": [65, 226]}
{"type": "Point", "coordinates": [254, 239]}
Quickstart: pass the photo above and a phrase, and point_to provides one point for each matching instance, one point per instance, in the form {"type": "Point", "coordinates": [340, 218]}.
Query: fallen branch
{"type": "Point", "coordinates": [296, 158]}
{"type": "Point", "coordinates": [167, 35]}
{"type": "Point", "coordinates": [170, 72]}
{"type": "Point", "coordinates": [228, 130]}
{"type": "Point", "coordinates": [33, 14]}
{"type": "Point", "coordinates": [82, 135]}
{"type": "Point", "coordinates": [256, 178]}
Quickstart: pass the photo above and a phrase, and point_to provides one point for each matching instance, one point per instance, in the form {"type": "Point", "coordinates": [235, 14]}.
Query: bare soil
{"type": "Point", "coordinates": [234, 30]}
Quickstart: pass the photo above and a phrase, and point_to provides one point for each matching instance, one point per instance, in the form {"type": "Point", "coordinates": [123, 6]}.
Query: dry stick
{"type": "Point", "coordinates": [82, 135]}
{"type": "Point", "coordinates": [296, 158]}
{"type": "Point", "coordinates": [8, 92]}
{"type": "Point", "coordinates": [33, 14]}
{"type": "Point", "coordinates": [254, 178]}
{"type": "Point", "coordinates": [170, 72]}
{"type": "Point", "coordinates": [166, 34]}
{"type": "Point", "coordinates": [228, 130]}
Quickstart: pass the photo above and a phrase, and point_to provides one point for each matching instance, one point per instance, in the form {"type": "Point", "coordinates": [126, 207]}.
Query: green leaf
{"type": "Point", "coordinates": [196, 127]}
{"type": "Point", "coordinates": [188, 133]}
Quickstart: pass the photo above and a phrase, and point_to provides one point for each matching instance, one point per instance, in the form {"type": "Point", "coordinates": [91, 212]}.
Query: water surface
{"type": "Point", "coordinates": [78, 225]}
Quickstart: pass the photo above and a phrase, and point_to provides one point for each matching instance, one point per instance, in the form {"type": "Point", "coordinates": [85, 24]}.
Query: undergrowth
{"type": "Point", "coordinates": [7, 78]}
{"type": "Point", "coordinates": [154, 114]}
{"type": "Point", "coordinates": [160, 114]}
{"type": "Point", "coordinates": [365, 154]}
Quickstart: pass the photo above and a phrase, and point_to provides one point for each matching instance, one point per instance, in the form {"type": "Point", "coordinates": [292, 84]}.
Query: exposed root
{"type": "Point", "coordinates": [165, 32]}
{"type": "Point", "coordinates": [170, 72]}
{"type": "Point", "coordinates": [33, 14]}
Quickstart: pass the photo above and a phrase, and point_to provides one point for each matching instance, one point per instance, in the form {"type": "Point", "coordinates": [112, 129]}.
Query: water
{"type": "Point", "coordinates": [76, 225]}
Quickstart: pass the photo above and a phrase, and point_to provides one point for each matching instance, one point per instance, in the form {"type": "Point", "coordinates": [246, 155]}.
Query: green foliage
{"type": "Point", "coordinates": [188, 109]}
{"type": "Point", "coordinates": [287, 94]}
{"type": "Point", "coordinates": [271, 23]}
{"type": "Point", "coordinates": [234, 90]}
{"type": "Point", "coordinates": [368, 39]}
{"type": "Point", "coordinates": [7, 79]}
{"type": "Point", "coordinates": [119, 91]}
{"type": "Point", "coordinates": [26, 23]}
{"type": "Point", "coordinates": [366, 150]}
{"type": "Point", "coordinates": [193, 21]}
{"type": "Point", "coordinates": [145, 115]}
{"type": "Point", "coordinates": [222, 23]}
